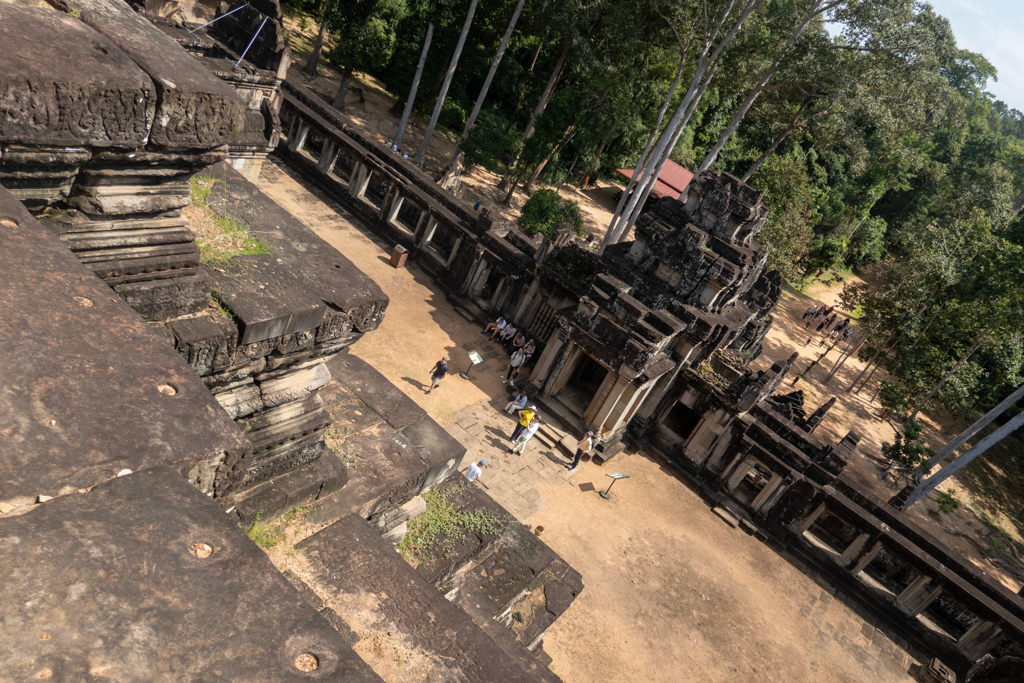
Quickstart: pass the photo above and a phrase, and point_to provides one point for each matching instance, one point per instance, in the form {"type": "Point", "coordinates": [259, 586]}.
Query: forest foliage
{"type": "Point", "coordinates": [869, 129]}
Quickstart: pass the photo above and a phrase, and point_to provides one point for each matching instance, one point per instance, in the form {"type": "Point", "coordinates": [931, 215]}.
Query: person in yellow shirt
{"type": "Point", "coordinates": [525, 417]}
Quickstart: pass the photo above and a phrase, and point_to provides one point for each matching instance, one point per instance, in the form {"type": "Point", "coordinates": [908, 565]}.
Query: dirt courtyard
{"type": "Point", "coordinates": [672, 592]}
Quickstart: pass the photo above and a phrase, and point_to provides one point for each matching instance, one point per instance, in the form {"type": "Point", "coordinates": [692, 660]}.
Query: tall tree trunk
{"type": "Point", "coordinates": [966, 459]}
{"type": "Point", "coordinates": [1018, 204]}
{"type": "Point", "coordinates": [582, 185]}
{"type": "Point", "coordinates": [969, 433]}
{"type": "Point", "coordinates": [421, 153]}
{"type": "Point", "coordinates": [339, 97]}
{"type": "Point", "coordinates": [817, 7]}
{"type": "Point", "coordinates": [522, 88]}
{"type": "Point", "coordinates": [528, 187]}
{"type": "Point", "coordinates": [643, 160]}
{"type": "Point", "coordinates": [704, 73]}
{"type": "Point", "coordinates": [456, 159]}
{"type": "Point", "coordinates": [878, 352]}
{"type": "Point", "coordinates": [793, 125]}
{"type": "Point", "coordinates": [314, 58]}
{"type": "Point", "coordinates": [545, 96]}
{"type": "Point", "coordinates": [949, 375]}
{"type": "Point", "coordinates": [415, 85]}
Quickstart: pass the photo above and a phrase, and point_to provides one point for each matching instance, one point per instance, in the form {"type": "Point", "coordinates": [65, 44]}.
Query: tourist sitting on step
{"type": "Point", "coordinates": [518, 342]}
{"type": "Point", "coordinates": [518, 403]}
{"type": "Point", "coordinates": [525, 436]}
{"type": "Point", "coordinates": [507, 335]}
{"type": "Point", "coordinates": [497, 327]}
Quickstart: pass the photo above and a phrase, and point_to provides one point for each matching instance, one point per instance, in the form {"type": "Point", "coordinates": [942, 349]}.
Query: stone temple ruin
{"type": "Point", "coordinates": [146, 393]}
{"type": "Point", "coordinates": [649, 345]}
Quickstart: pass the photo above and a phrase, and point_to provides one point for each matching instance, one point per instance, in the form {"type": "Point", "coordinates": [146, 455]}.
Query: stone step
{"type": "Point", "coordinates": [727, 517]}
{"type": "Point", "coordinates": [349, 557]}
{"type": "Point", "coordinates": [544, 439]}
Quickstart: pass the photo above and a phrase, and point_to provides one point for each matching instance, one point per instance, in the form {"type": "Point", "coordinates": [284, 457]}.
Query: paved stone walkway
{"type": "Point", "coordinates": [509, 478]}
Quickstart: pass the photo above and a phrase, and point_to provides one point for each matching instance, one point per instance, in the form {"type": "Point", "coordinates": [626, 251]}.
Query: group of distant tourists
{"type": "Point", "coordinates": [829, 325]}
{"type": "Point", "coordinates": [520, 349]}
{"type": "Point", "coordinates": [516, 344]}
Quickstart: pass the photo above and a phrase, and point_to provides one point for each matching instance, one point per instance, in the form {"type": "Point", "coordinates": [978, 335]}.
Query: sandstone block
{"type": "Point", "coordinates": [103, 100]}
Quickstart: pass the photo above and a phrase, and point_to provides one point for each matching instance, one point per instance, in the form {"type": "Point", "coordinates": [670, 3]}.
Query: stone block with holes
{"type": "Point", "coordinates": [81, 568]}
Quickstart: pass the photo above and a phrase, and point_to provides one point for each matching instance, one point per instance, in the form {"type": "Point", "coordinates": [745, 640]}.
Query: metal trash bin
{"type": "Point", "coordinates": [398, 256]}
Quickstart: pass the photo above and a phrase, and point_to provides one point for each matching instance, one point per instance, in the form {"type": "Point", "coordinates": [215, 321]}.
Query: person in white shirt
{"type": "Point", "coordinates": [525, 436]}
{"type": "Point", "coordinates": [514, 365]}
{"type": "Point", "coordinates": [497, 327]}
{"type": "Point", "coordinates": [584, 446]}
{"type": "Point", "coordinates": [473, 472]}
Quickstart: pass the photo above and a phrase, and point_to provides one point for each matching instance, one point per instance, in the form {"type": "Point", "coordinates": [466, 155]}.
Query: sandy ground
{"type": "Point", "coordinates": [673, 593]}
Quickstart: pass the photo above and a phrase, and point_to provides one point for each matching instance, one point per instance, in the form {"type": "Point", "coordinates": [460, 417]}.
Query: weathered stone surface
{"type": "Point", "coordinates": [88, 388]}
{"type": "Point", "coordinates": [194, 107]}
{"type": "Point", "coordinates": [168, 298]}
{"type": "Point", "coordinates": [387, 400]}
{"type": "Point", "coordinates": [103, 99]}
{"type": "Point", "coordinates": [350, 558]}
{"type": "Point", "coordinates": [267, 298]}
{"type": "Point", "coordinates": [324, 272]}
{"type": "Point", "coordinates": [106, 584]}
{"type": "Point", "coordinates": [294, 386]}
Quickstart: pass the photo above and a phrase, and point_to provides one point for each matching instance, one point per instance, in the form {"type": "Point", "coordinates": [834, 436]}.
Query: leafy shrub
{"type": "Point", "coordinates": [546, 212]}
{"type": "Point", "coordinates": [947, 502]}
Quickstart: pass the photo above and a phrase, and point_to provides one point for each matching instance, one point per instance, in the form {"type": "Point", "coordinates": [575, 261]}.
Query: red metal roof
{"type": "Point", "coordinates": [671, 183]}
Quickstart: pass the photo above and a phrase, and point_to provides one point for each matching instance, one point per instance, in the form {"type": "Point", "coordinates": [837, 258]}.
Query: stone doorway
{"type": "Point", "coordinates": [681, 421]}
{"type": "Point", "coordinates": [582, 385]}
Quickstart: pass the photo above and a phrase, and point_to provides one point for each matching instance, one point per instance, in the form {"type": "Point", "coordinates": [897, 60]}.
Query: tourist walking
{"type": "Point", "coordinates": [525, 418]}
{"type": "Point", "coordinates": [585, 445]}
{"type": "Point", "coordinates": [514, 365]}
{"type": "Point", "coordinates": [474, 470]}
{"type": "Point", "coordinates": [525, 436]}
{"type": "Point", "coordinates": [518, 403]}
{"type": "Point", "coordinates": [439, 372]}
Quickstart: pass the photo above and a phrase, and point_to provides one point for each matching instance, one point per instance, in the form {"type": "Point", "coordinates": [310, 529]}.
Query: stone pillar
{"type": "Point", "coordinates": [552, 350]}
{"type": "Point", "coordinates": [297, 142]}
{"type": "Point", "coordinates": [976, 642]}
{"type": "Point", "coordinates": [396, 206]}
{"type": "Point", "coordinates": [609, 403]}
{"type": "Point", "coordinates": [559, 374]}
{"type": "Point", "coordinates": [738, 473]}
{"type": "Point", "coordinates": [637, 398]}
{"type": "Point", "coordinates": [524, 302]}
{"type": "Point", "coordinates": [476, 275]}
{"type": "Point", "coordinates": [428, 232]}
{"type": "Point", "coordinates": [360, 179]}
{"type": "Point", "coordinates": [800, 526]}
{"type": "Point", "coordinates": [455, 251]}
{"type": "Point", "coordinates": [771, 487]}
{"type": "Point", "coordinates": [916, 597]}
{"type": "Point", "coordinates": [327, 157]}
{"type": "Point", "coordinates": [855, 557]}
{"type": "Point", "coordinates": [424, 220]}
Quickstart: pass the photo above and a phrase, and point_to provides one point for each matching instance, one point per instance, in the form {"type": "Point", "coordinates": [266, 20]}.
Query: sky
{"type": "Point", "coordinates": [994, 28]}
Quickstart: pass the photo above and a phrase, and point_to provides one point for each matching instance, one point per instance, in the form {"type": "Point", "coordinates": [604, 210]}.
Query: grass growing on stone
{"type": "Point", "coordinates": [436, 531]}
{"type": "Point", "coordinates": [269, 534]}
{"type": "Point", "coordinates": [265, 535]}
{"type": "Point", "coordinates": [220, 238]}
